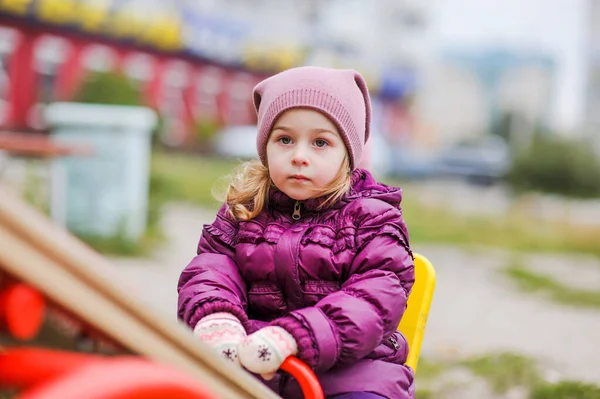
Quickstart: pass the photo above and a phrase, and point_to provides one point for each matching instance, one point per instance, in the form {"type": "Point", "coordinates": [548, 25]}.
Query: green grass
{"type": "Point", "coordinates": [514, 232]}
{"type": "Point", "coordinates": [566, 390]}
{"type": "Point", "coordinates": [189, 178]}
{"type": "Point", "coordinates": [424, 394]}
{"type": "Point", "coordinates": [558, 292]}
{"type": "Point", "coordinates": [123, 246]}
{"type": "Point", "coordinates": [505, 370]}
{"type": "Point", "coordinates": [428, 370]}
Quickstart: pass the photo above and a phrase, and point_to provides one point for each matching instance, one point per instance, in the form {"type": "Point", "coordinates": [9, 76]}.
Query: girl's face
{"type": "Point", "coordinates": [304, 153]}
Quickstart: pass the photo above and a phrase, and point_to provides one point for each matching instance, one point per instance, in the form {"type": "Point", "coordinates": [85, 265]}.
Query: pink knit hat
{"type": "Point", "coordinates": [340, 94]}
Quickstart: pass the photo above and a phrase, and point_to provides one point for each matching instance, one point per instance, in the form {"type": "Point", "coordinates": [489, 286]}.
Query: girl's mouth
{"type": "Point", "coordinates": [299, 178]}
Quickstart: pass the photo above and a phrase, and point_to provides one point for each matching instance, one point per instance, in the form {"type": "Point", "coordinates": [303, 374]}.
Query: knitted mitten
{"type": "Point", "coordinates": [222, 332]}
{"type": "Point", "coordinates": [263, 351]}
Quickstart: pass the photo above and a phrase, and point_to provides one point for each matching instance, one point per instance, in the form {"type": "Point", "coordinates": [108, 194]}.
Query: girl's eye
{"type": "Point", "coordinates": [285, 140]}
{"type": "Point", "coordinates": [320, 143]}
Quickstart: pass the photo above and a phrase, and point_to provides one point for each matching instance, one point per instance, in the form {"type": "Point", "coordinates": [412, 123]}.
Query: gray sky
{"type": "Point", "coordinates": [557, 27]}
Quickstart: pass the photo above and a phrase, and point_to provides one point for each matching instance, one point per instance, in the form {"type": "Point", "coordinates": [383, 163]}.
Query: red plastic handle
{"type": "Point", "coordinates": [121, 378]}
{"type": "Point", "coordinates": [304, 375]}
{"type": "Point", "coordinates": [22, 310]}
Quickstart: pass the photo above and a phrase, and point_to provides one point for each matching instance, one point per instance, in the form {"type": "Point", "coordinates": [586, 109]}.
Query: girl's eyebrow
{"type": "Point", "coordinates": [316, 130]}
{"type": "Point", "coordinates": [324, 131]}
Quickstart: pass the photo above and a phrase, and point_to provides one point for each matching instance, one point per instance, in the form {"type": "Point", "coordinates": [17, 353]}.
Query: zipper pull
{"type": "Point", "coordinates": [395, 343]}
{"type": "Point", "coordinates": [296, 214]}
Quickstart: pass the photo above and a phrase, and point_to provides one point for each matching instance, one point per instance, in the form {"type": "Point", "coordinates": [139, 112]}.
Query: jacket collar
{"type": "Point", "coordinates": [362, 185]}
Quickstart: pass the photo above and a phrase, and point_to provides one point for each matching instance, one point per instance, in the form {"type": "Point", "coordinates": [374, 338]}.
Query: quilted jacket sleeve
{"type": "Point", "coordinates": [211, 282]}
{"type": "Point", "coordinates": [349, 324]}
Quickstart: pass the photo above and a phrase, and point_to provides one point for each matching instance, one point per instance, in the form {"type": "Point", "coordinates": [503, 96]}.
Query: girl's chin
{"type": "Point", "coordinates": [297, 195]}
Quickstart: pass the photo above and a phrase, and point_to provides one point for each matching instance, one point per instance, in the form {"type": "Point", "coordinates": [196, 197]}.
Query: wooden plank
{"type": "Point", "coordinates": [36, 251]}
{"type": "Point", "coordinates": [37, 145]}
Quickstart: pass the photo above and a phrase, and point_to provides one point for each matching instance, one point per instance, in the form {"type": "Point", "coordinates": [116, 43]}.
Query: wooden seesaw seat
{"type": "Point", "coordinates": [43, 267]}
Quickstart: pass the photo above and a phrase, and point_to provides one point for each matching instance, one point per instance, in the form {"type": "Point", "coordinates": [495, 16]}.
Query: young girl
{"type": "Point", "coordinates": [309, 255]}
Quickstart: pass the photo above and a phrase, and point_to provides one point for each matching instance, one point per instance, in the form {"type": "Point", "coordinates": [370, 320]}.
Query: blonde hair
{"type": "Point", "coordinates": [248, 190]}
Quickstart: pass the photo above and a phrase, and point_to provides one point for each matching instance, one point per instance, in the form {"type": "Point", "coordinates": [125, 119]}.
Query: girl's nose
{"type": "Point", "coordinates": [299, 157]}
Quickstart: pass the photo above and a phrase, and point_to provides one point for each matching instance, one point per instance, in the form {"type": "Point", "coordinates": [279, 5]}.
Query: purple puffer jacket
{"type": "Point", "coordinates": [336, 279]}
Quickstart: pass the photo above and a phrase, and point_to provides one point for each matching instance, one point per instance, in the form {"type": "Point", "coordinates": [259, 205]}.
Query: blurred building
{"type": "Point", "coordinates": [49, 47]}
{"type": "Point", "coordinates": [388, 41]}
{"type": "Point", "coordinates": [592, 100]}
{"type": "Point", "coordinates": [197, 61]}
{"type": "Point", "coordinates": [391, 43]}
{"type": "Point", "coordinates": [470, 92]}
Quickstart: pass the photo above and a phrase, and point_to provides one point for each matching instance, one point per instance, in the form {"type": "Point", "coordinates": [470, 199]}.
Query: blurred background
{"type": "Point", "coordinates": [118, 119]}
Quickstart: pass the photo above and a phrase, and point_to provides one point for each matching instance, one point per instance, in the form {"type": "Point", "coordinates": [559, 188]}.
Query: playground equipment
{"type": "Point", "coordinates": [47, 275]}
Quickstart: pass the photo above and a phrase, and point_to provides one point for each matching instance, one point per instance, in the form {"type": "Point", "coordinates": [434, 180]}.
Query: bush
{"type": "Point", "coordinates": [206, 130]}
{"type": "Point", "coordinates": [554, 165]}
{"type": "Point", "coordinates": [109, 88]}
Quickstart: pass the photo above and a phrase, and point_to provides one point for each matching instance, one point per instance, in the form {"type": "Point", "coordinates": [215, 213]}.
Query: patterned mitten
{"type": "Point", "coordinates": [263, 351]}
{"type": "Point", "coordinates": [223, 332]}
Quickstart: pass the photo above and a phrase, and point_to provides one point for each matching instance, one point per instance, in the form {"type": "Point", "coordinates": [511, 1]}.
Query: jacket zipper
{"type": "Point", "coordinates": [394, 342]}
{"type": "Point", "coordinates": [296, 214]}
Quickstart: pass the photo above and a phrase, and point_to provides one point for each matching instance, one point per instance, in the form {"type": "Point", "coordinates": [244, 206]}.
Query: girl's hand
{"type": "Point", "coordinates": [222, 332]}
{"type": "Point", "coordinates": [263, 351]}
